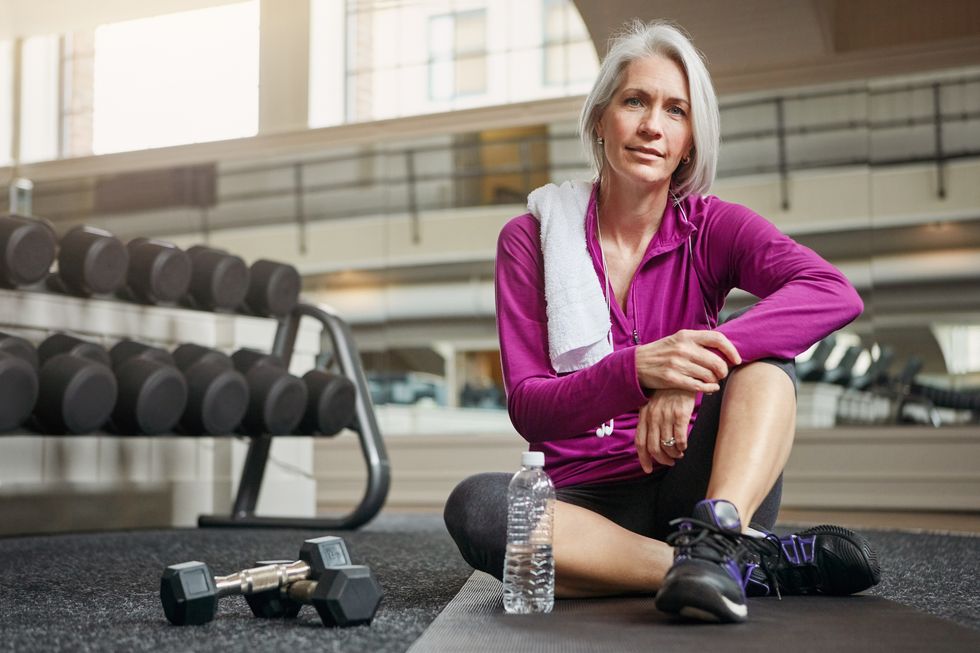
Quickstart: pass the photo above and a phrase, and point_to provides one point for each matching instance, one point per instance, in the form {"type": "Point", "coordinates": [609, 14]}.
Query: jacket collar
{"type": "Point", "coordinates": [674, 230]}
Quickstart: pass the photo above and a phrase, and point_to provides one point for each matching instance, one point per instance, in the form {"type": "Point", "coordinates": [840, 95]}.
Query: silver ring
{"type": "Point", "coordinates": [668, 443]}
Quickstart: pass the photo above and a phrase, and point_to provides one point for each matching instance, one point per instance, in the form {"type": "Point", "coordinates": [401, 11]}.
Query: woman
{"type": "Point", "coordinates": [648, 411]}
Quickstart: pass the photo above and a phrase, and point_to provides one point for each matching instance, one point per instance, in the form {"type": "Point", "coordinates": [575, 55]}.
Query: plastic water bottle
{"type": "Point", "coordinates": [529, 566]}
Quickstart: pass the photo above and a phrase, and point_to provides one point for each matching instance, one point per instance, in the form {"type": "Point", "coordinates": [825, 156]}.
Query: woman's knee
{"type": "Point", "coordinates": [476, 518]}
{"type": "Point", "coordinates": [787, 365]}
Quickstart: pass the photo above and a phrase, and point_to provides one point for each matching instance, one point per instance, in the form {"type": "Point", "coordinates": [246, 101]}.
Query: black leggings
{"type": "Point", "coordinates": [476, 511]}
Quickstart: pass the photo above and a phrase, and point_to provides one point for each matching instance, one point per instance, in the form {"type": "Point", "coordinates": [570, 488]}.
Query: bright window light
{"type": "Point", "coordinates": [6, 100]}
{"type": "Point", "coordinates": [326, 62]}
{"type": "Point", "coordinates": [181, 78]}
{"type": "Point", "coordinates": [39, 99]}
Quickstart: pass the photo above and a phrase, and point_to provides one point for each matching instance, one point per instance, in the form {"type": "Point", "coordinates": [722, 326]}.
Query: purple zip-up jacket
{"type": "Point", "coordinates": [803, 299]}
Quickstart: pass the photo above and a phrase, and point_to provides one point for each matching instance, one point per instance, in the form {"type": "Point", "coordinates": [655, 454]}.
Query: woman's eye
{"type": "Point", "coordinates": [633, 102]}
{"type": "Point", "coordinates": [676, 110]}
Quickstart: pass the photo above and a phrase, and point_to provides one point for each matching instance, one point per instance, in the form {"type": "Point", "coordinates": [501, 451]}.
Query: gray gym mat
{"type": "Point", "coordinates": [475, 621]}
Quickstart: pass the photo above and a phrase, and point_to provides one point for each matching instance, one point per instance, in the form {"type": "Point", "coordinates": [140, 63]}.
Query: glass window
{"type": "Point", "coordinates": [39, 99]}
{"type": "Point", "coordinates": [327, 50]}
{"type": "Point", "coordinates": [168, 80]}
{"type": "Point", "coordinates": [569, 56]}
{"type": "Point", "coordinates": [458, 55]}
{"type": "Point", "coordinates": [6, 101]}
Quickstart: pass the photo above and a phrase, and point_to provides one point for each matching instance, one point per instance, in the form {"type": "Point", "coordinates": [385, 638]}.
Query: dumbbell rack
{"type": "Point", "coordinates": [253, 470]}
{"type": "Point", "coordinates": [365, 425]}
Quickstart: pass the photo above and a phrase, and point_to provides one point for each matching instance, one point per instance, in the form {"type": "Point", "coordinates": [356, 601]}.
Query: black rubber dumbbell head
{"type": "Point", "coordinates": [188, 594]}
{"type": "Point", "coordinates": [159, 272]}
{"type": "Point", "coordinates": [27, 249]}
{"type": "Point", "coordinates": [17, 346]}
{"type": "Point", "coordinates": [219, 280]}
{"type": "Point", "coordinates": [347, 596]}
{"type": "Point", "coordinates": [273, 289]}
{"type": "Point", "coordinates": [330, 403]}
{"type": "Point", "coordinates": [91, 261]}
{"type": "Point", "coordinates": [18, 381]}
{"type": "Point", "coordinates": [76, 387]}
{"type": "Point", "coordinates": [152, 391]}
{"type": "Point", "coordinates": [217, 393]}
{"type": "Point", "coordinates": [320, 554]}
{"type": "Point", "coordinates": [62, 343]}
{"type": "Point", "coordinates": [277, 399]}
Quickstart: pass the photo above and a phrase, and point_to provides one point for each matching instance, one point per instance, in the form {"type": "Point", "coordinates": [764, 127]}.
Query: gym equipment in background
{"type": "Point", "coordinates": [27, 249]}
{"type": "Point", "coordinates": [219, 280]}
{"type": "Point", "coordinates": [813, 368]}
{"type": "Point", "coordinates": [152, 391]}
{"type": "Point", "coordinates": [91, 261]}
{"type": "Point", "coordinates": [76, 388]}
{"type": "Point", "coordinates": [844, 371]}
{"type": "Point", "coordinates": [277, 398]}
{"type": "Point", "coordinates": [273, 289]}
{"type": "Point", "coordinates": [217, 393]}
{"type": "Point", "coordinates": [330, 403]}
{"type": "Point", "coordinates": [18, 381]}
{"type": "Point", "coordinates": [159, 272]}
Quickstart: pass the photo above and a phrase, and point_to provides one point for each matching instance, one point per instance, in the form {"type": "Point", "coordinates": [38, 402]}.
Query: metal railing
{"type": "Point", "coordinates": [930, 122]}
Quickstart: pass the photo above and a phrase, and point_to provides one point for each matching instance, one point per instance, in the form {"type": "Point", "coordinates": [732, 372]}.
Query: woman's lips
{"type": "Point", "coordinates": [646, 151]}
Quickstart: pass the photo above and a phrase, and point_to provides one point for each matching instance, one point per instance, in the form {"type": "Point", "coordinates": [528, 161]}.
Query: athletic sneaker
{"type": "Point", "coordinates": [820, 560]}
{"type": "Point", "coordinates": [712, 565]}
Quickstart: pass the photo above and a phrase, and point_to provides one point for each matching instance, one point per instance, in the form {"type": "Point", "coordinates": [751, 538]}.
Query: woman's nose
{"type": "Point", "coordinates": [650, 125]}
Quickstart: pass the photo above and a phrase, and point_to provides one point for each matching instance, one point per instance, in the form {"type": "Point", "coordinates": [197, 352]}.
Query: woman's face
{"type": "Point", "coordinates": [647, 124]}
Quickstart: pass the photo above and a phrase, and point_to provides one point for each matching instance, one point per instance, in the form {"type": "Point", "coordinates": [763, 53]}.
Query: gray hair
{"type": "Point", "coordinates": [636, 41]}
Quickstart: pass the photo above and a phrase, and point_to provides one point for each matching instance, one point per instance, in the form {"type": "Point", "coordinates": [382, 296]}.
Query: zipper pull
{"type": "Point", "coordinates": [636, 337]}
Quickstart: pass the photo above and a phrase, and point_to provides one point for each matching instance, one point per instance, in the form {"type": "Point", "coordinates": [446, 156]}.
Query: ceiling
{"type": "Point", "coordinates": [759, 44]}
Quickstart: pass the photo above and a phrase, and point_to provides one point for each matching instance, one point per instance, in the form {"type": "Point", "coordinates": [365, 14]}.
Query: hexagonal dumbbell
{"type": "Point", "coordinates": [190, 593]}
{"type": "Point", "coordinates": [343, 596]}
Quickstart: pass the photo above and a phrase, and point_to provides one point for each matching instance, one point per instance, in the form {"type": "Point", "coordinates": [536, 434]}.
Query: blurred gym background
{"type": "Point", "coordinates": [379, 146]}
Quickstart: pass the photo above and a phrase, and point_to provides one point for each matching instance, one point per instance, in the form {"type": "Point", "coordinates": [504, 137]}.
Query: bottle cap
{"type": "Point", "coordinates": [532, 459]}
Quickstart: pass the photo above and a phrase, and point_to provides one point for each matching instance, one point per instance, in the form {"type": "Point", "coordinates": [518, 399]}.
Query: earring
{"type": "Point", "coordinates": [599, 141]}
{"type": "Point", "coordinates": [686, 159]}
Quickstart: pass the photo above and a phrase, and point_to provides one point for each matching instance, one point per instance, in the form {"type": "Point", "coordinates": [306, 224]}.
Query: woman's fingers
{"type": "Point", "coordinates": [717, 340]}
{"type": "Point", "coordinates": [694, 361]}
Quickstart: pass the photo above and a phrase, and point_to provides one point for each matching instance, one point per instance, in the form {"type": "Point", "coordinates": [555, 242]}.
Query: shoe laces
{"type": "Point", "coordinates": [768, 550]}
{"type": "Point", "coordinates": [693, 536]}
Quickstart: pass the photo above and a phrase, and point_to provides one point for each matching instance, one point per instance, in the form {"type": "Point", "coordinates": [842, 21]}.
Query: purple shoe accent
{"type": "Point", "coordinates": [747, 576]}
{"type": "Point", "coordinates": [719, 512]}
{"type": "Point", "coordinates": [738, 572]}
{"type": "Point", "coordinates": [798, 550]}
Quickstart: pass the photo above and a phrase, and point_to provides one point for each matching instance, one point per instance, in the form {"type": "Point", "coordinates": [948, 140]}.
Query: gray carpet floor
{"type": "Point", "coordinates": [99, 591]}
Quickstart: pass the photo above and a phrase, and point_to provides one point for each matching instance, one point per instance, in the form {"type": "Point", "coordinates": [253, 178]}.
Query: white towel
{"type": "Point", "coordinates": [578, 314]}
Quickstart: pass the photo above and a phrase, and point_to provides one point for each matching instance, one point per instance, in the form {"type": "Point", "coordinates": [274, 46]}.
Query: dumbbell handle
{"type": "Point", "coordinates": [300, 591]}
{"type": "Point", "coordinates": [261, 579]}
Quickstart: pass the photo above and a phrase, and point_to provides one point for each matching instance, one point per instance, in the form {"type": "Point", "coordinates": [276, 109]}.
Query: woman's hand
{"type": "Point", "coordinates": [664, 418]}
{"type": "Point", "coordinates": [687, 360]}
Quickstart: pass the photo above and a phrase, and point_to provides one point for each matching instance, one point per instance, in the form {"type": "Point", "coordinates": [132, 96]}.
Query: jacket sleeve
{"type": "Point", "coordinates": [803, 298]}
{"type": "Point", "coordinates": [542, 405]}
